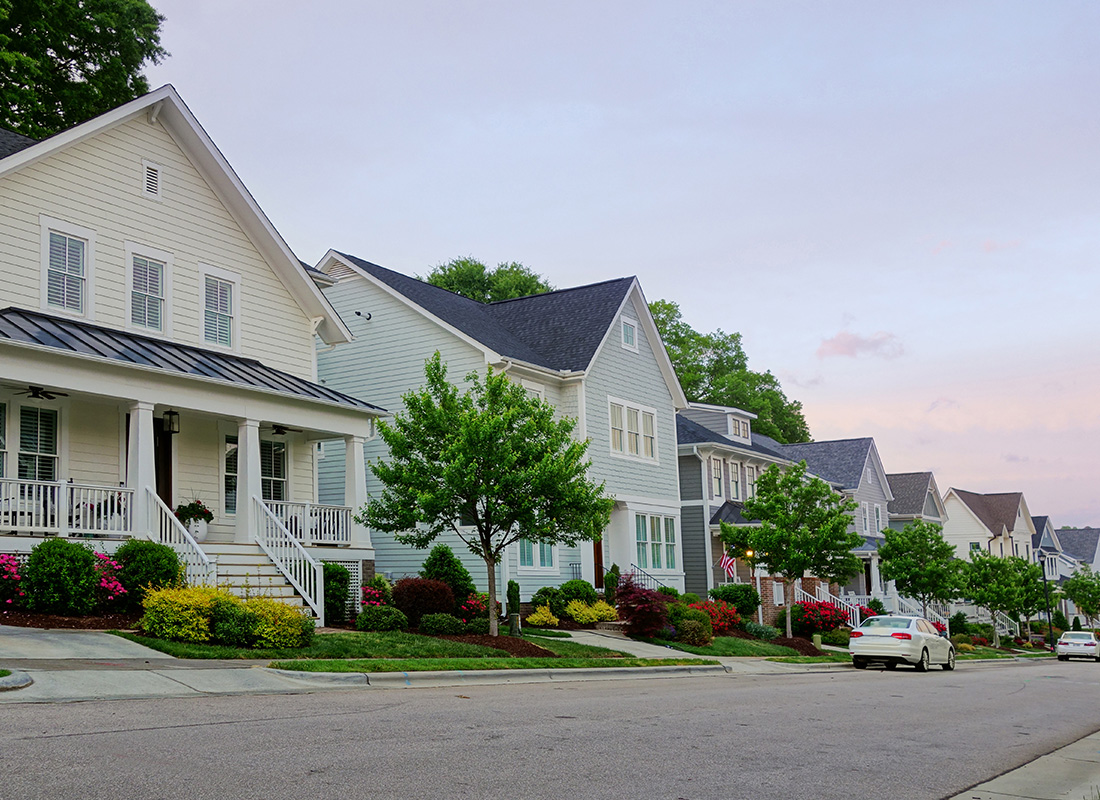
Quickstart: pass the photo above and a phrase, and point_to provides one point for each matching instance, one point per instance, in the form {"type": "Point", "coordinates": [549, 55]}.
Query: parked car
{"type": "Point", "coordinates": [893, 640]}
{"type": "Point", "coordinates": [1077, 644]}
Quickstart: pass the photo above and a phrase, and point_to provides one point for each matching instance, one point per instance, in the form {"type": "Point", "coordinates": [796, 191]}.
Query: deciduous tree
{"type": "Point", "coordinates": [992, 582]}
{"type": "Point", "coordinates": [921, 563]}
{"type": "Point", "coordinates": [1083, 589]}
{"type": "Point", "coordinates": [471, 278]}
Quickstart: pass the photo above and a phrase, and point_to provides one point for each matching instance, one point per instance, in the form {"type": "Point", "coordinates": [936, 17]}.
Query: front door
{"type": "Point", "coordinates": [162, 460]}
{"type": "Point", "coordinates": [597, 552]}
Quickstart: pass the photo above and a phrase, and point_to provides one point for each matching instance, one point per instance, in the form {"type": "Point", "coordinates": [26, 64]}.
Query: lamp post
{"type": "Point", "coordinates": [1046, 590]}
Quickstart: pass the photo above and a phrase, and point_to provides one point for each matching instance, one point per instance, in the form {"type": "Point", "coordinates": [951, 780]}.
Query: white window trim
{"type": "Point", "coordinates": [206, 270]}
{"type": "Point", "coordinates": [48, 224]}
{"type": "Point", "coordinates": [166, 258]}
{"type": "Point", "coordinates": [626, 454]}
{"type": "Point", "coordinates": [532, 388]}
{"type": "Point", "coordinates": [717, 491]}
{"type": "Point", "coordinates": [736, 488]}
{"type": "Point", "coordinates": [662, 515]}
{"type": "Point", "coordinates": [623, 322]}
{"type": "Point", "coordinates": [146, 165]}
{"type": "Point", "coordinates": [553, 569]}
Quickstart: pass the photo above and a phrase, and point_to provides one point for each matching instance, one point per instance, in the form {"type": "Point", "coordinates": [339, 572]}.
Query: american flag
{"type": "Point", "coordinates": [728, 563]}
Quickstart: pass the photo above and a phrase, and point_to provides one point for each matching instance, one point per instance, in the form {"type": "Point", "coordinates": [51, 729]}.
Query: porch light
{"type": "Point", "coordinates": [172, 421]}
{"type": "Point", "coordinates": [749, 554]}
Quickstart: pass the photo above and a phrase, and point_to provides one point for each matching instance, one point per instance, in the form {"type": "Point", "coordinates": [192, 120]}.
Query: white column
{"type": "Point", "coordinates": [140, 464]}
{"type": "Point", "coordinates": [355, 487]}
{"type": "Point", "coordinates": [248, 476]}
{"type": "Point", "coordinates": [876, 581]}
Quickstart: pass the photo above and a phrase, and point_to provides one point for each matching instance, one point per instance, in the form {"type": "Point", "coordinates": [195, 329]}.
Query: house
{"type": "Point", "coordinates": [999, 524]}
{"type": "Point", "coordinates": [157, 346]}
{"type": "Point", "coordinates": [916, 497]}
{"type": "Point", "coordinates": [1080, 544]}
{"type": "Point", "coordinates": [1047, 550]}
{"type": "Point", "coordinates": [591, 351]}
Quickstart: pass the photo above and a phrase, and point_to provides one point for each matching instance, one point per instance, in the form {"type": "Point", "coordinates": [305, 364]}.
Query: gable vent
{"type": "Point", "coordinates": [338, 271]}
{"type": "Point", "coordinates": [150, 179]}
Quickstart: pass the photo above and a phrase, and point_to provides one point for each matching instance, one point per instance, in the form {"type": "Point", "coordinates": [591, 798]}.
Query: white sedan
{"type": "Point", "coordinates": [1077, 644]}
{"type": "Point", "coordinates": [893, 640]}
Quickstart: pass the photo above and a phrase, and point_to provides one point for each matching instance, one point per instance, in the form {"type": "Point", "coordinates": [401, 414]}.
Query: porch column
{"type": "Point", "coordinates": [876, 581]}
{"type": "Point", "coordinates": [248, 477]}
{"type": "Point", "coordinates": [141, 465]}
{"type": "Point", "coordinates": [355, 487]}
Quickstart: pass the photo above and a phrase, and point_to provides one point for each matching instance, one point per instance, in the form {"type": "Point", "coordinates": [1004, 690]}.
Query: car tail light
{"type": "Point", "coordinates": [902, 635]}
{"type": "Point", "coordinates": [855, 634]}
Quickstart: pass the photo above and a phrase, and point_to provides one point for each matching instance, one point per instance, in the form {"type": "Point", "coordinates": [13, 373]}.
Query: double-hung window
{"type": "Point", "coordinates": [750, 482]}
{"type": "Point", "coordinates": [633, 430]}
{"type": "Point", "coordinates": [735, 480]}
{"type": "Point", "coordinates": [37, 444]}
{"type": "Point", "coordinates": [147, 295]}
{"type": "Point", "coordinates": [66, 273]}
{"type": "Point", "coordinates": [535, 555]}
{"type": "Point", "coordinates": [670, 543]}
{"type": "Point", "coordinates": [655, 541]}
{"type": "Point", "coordinates": [273, 473]}
{"type": "Point", "coordinates": [630, 335]}
{"type": "Point", "coordinates": [878, 518]}
{"type": "Point", "coordinates": [218, 310]}
{"type": "Point", "coordinates": [716, 477]}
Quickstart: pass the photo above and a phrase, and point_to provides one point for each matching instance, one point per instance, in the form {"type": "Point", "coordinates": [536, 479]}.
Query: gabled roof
{"type": "Point", "coordinates": [79, 338]}
{"type": "Point", "coordinates": [995, 511]}
{"type": "Point", "coordinates": [12, 142]}
{"type": "Point", "coordinates": [1080, 543]}
{"type": "Point", "coordinates": [691, 432]}
{"type": "Point", "coordinates": [164, 107]}
{"type": "Point", "coordinates": [730, 512]}
{"type": "Point", "coordinates": [910, 490]}
{"type": "Point", "coordinates": [840, 461]}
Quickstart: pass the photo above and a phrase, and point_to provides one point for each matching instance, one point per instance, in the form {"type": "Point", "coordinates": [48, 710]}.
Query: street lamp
{"type": "Point", "coordinates": [1046, 590]}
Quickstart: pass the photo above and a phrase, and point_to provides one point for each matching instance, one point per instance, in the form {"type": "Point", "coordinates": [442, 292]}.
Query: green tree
{"type": "Point", "coordinates": [471, 278]}
{"type": "Point", "coordinates": [1030, 596]}
{"type": "Point", "coordinates": [992, 582]}
{"type": "Point", "coordinates": [490, 464]}
{"type": "Point", "coordinates": [62, 62]}
{"type": "Point", "coordinates": [921, 563]}
{"type": "Point", "coordinates": [713, 368]}
{"type": "Point", "coordinates": [803, 527]}
{"type": "Point", "coordinates": [1083, 589]}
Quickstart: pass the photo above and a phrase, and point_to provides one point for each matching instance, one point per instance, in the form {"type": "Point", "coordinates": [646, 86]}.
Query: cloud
{"type": "Point", "coordinates": [803, 383]}
{"type": "Point", "coordinates": [991, 246]}
{"type": "Point", "coordinates": [1012, 458]}
{"type": "Point", "coordinates": [846, 343]}
{"type": "Point", "coordinates": [941, 246]}
{"type": "Point", "coordinates": [942, 403]}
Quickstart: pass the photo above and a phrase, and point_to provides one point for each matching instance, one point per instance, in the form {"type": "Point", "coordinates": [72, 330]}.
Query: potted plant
{"type": "Point", "coordinates": [195, 516]}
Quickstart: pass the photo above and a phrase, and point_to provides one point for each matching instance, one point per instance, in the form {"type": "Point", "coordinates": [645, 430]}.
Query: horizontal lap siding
{"type": "Point", "coordinates": [691, 482]}
{"type": "Point", "coordinates": [95, 443]}
{"type": "Point", "coordinates": [96, 184]}
{"type": "Point", "coordinates": [695, 531]}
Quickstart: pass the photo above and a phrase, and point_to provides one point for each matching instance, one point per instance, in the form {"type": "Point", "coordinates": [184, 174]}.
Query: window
{"type": "Point", "coordinates": [716, 477]}
{"type": "Point", "coordinates": [777, 593]}
{"type": "Point", "coordinates": [273, 479]}
{"type": "Point", "coordinates": [633, 431]}
{"type": "Point", "coordinates": [745, 429]}
{"type": "Point", "coordinates": [642, 539]}
{"type": "Point", "coordinates": [37, 444]}
{"type": "Point", "coordinates": [866, 517]}
{"type": "Point", "coordinates": [535, 555]}
{"type": "Point", "coordinates": [750, 482]}
{"type": "Point", "coordinates": [878, 518]}
{"type": "Point", "coordinates": [3, 439]}
{"type": "Point", "coordinates": [735, 426]}
{"type": "Point", "coordinates": [975, 546]}
{"type": "Point", "coordinates": [147, 294]}
{"type": "Point", "coordinates": [218, 310]}
{"type": "Point", "coordinates": [630, 335]}
{"type": "Point", "coordinates": [735, 480]}
{"type": "Point", "coordinates": [655, 541]}
{"type": "Point", "coordinates": [65, 275]}
{"type": "Point", "coordinates": [670, 543]}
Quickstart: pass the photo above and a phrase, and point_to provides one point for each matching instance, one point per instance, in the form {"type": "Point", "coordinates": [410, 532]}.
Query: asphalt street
{"type": "Point", "coordinates": [834, 734]}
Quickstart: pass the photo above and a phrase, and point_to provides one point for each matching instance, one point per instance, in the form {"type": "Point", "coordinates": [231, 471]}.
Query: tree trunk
{"type": "Point", "coordinates": [491, 568]}
{"type": "Point", "coordinates": [788, 595]}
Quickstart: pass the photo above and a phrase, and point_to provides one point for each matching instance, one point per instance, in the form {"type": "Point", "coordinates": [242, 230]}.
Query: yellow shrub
{"type": "Point", "coordinates": [180, 615]}
{"type": "Point", "coordinates": [963, 647]}
{"type": "Point", "coordinates": [581, 613]}
{"type": "Point", "coordinates": [542, 617]}
{"type": "Point", "coordinates": [280, 625]}
{"type": "Point", "coordinates": [605, 612]}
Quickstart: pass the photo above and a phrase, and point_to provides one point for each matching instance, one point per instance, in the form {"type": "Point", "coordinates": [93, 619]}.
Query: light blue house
{"type": "Point", "coordinates": [592, 351]}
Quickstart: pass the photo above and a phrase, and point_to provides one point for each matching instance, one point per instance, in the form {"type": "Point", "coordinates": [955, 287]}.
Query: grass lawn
{"type": "Point", "coordinates": [825, 659]}
{"type": "Point", "coordinates": [550, 632]}
{"type": "Point", "coordinates": [425, 665]}
{"type": "Point", "coordinates": [729, 646]}
{"type": "Point", "coordinates": [989, 652]}
{"type": "Point", "coordinates": [5, 673]}
{"type": "Point", "coordinates": [570, 649]}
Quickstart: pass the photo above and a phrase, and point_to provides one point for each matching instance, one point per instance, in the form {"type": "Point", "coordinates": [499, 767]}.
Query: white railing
{"type": "Point", "coordinates": [1005, 625]}
{"type": "Point", "coordinates": [854, 614]}
{"type": "Point", "coordinates": [313, 523]}
{"type": "Point", "coordinates": [908, 605]}
{"type": "Point", "coordinates": [63, 509]}
{"type": "Point", "coordinates": [303, 572]}
{"type": "Point", "coordinates": [166, 529]}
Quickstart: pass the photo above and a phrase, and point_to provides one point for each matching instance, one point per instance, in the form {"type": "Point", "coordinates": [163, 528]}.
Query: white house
{"type": "Point", "coordinates": [157, 346]}
{"type": "Point", "coordinates": [999, 524]}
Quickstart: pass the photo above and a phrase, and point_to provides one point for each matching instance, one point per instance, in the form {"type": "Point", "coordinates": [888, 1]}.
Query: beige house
{"type": "Point", "coordinates": [156, 347]}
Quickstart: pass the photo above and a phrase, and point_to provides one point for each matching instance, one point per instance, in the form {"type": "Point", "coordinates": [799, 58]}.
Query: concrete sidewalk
{"type": "Point", "coordinates": [1070, 773]}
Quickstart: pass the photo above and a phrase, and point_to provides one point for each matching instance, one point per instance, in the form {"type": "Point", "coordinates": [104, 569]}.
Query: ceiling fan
{"type": "Point", "coordinates": [281, 430]}
{"type": "Point", "coordinates": [38, 393]}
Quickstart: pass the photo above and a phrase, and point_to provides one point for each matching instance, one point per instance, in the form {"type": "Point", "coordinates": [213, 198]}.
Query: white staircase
{"type": "Point", "coordinates": [246, 571]}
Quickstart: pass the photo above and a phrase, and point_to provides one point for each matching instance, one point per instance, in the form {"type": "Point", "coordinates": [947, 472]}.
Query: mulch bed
{"type": "Point", "coordinates": [804, 647]}
{"type": "Point", "coordinates": [520, 648]}
{"type": "Point", "coordinates": [104, 622]}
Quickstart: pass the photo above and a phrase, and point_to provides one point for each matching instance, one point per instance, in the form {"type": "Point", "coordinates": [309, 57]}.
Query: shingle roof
{"type": "Point", "coordinates": [840, 461]}
{"type": "Point", "coordinates": [1037, 537]}
{"type": "Point", "coordinates": [994, 510]}
{"type": "Point", "coordinates": [559, 330]}
{"type": "Point", "coordinates": [77, 337]}
{"type": "Point", "coordinates": [12, 142]}
{"type": "Point", "coordinates": [910, 490]}
{"type": "Point", "coordinates": [1080, 542]}
{"type": "Point", "coordinates": [730, 513]}
{"type": "Point", "coordinates": [690, 432]}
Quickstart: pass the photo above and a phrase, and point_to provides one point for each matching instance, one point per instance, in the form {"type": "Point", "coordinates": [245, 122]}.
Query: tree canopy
{"type": "Point", "coordinates": [1012, 586]}
{"type": "Point", "coordinates": [1083, 588]}
{"type": "Point", "coordinates": [803, 527]}
{"type": "Point", "coordinates": [489, 464]}
{"type": "Point", "coordinates": [713, 368]}
{"type": "Point", "coordinates": [471, 278]}
{"type": "Point", "coordinates": [921, 563]}
{"type": "Point", "coordinates": [62, 62]}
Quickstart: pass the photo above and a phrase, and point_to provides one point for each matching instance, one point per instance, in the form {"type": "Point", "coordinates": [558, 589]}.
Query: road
{"type": "Point", "coordinates": [836, 734]}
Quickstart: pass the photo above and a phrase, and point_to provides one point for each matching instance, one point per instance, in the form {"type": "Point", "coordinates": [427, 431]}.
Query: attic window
{"type": "Point", "coordinates": [630, 335]}
{"type": "Point", "coordinates": [150, 179]}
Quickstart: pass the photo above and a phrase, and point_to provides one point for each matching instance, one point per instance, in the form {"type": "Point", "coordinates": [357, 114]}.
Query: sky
{"type": "Point", "coordinates": [896, 205]}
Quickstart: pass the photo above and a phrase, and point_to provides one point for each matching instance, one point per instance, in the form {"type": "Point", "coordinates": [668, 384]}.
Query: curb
{"type": "Point", "coordinates": [17, 680]}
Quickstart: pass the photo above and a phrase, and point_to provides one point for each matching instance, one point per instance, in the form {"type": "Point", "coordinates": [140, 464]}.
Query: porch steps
{"type": "Point", "coordinates": [246, 571]}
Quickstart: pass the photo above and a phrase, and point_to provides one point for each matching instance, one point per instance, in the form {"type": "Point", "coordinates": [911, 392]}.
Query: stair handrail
{"type": "Point", "coordinates": [649, 582]}
{"type": "Point", "coordinates": [855, 614]}
{"type": "Point", "coordinates": [165, 528]}
{"type": "Point", "coordinates": [300, 569]}
{"type": "Point", "coordinates": [1006, 624]}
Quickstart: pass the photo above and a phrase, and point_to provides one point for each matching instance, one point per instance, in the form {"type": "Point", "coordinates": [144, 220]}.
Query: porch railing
{"type": "Point", "coordinates": [303, 572]}
{"type": "Point", "coordinates": [855, 616]}
{"type": "Point", "coordinates": [908, 605]}
{"type": "Point", "coordinates": [644, 579]}
{"type": "Point", "coordinates": [66, 509]}
{"type": "Point", "coordinates": [313, 523]}
{"type": "Point", "coordinates": [166, 529]}
{"type": "Point", "coordinates": [1005, 625]}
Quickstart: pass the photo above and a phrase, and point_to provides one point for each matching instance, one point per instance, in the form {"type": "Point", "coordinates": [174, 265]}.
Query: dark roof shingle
{"type": "Point", "coordinates": [1080, 542]}
{"type": "Point", "coordinates": [840, 461]}
{"type": "Point", "coordinates": [994, 510]}
{"type": "Point", "coordinates": [12, 142]}
{"type": "Point", "coordinates": [910, 490]}
{"type": "Point", "coordinates": [690, 432]}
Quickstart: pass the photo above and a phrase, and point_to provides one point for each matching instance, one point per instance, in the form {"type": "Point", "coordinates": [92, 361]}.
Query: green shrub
{"type": "Point", "coordinates": [694, 632]}
{"type": "Point", "coordinates": [443, 565]}
{"type": "Point", "coordinates": [958, 623]}
{"type": "Point", "coordinates": [982, 629]}
{"type": "Point", "coordinates": [676, 613]}
{"type": "Point", "coordinates": [477, 627]}
{"type": "Point", "coordinates": [1057, 619]}
{"type": "Point", "coordinates": [877, 606]}
{"type": "Point", "coordinates": [232, 622]}
{"type": "Point", "coordinates": [763, 632]}
{"type": "Point", "coordinates": [442, 625]}
{"type": "Point", "coordinates": [741, 596]}
{"type": "Point", "coordinates": [577, 590]}
{"type": "Point", "coordinates": [60, 578]}
{"type": "Point", "coordinates": [381, 618]}
{"type": "Point", "coordinates": [700, 616]}
{"type": "Point", "coordinates": [146, 565]}
{"type": "Point", "coordinates": [542, 617]}
{"type": "Point", "coordinates": [610, 583]}
{"type": "Point", "coordinates": [280, 625]}
{"type": "Point", "coordinates": [180, 615]}
{"type": "Point", "coordinates": [1077, 623]}
{"type": "Point", "coordinates": [419, 596]}
{"type": "Point", "coordinates": [961, 638]}
{"type": "Point", "coordinates": [549, 596]}
{"type": "Point", "coordinates": [689, 598]}
{"type": "Point", "coordinates": [513, 598]}
{"type": "Point", "coordinates": [669, 591]}
{"type": "Point", "coordinates": [337, 584]}
{"type": "Point", "coordinates": [837, 638]}
{"type": "Point", "coordinates": [382, 584]}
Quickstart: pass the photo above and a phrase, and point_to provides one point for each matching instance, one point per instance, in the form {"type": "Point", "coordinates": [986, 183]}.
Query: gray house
{"type": "Point", "coordinates": [591, 351]}
{"type": "Point", "coordinates": [916, 497]}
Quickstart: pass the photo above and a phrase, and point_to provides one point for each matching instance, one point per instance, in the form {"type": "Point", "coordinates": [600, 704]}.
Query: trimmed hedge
{"type": "Point", "coordinates": [337, 583]}
{"type": "Point", "coordinates": [381, 618]}
{"type": "Point", "coordinates": [60, 578]}
{"type": "Point", "coordinates": [442, 624]}
{"type": "Point", "coordinates": [146, 565]}
{"type": "Point", "coordinates": [204, 614]}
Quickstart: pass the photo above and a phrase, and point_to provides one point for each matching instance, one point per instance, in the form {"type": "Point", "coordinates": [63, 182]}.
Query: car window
{"type": "Point", "coordinates": [926, 627]}
{"type": "Point", "coordinates": [896, 623]}
{"type": "Point", "coordinates": [1075, 636]}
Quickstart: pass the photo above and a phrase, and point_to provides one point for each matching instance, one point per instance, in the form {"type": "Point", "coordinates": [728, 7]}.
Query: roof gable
{"type": "Point", "coordinates": [996, 512]}
{"type": "Point", "coordinates": [1081, 543]}
{"type": "Point", "coordinates": [910, 490]}
{"type": "Point", "coordinates": [690, 432]}
{"type": "Point", "coordinates": [841, 461]}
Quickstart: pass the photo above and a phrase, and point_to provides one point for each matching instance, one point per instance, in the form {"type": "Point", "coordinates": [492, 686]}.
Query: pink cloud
{"type": "Point", "coordinates": [846, 343]}
{"type": "Point", "coordinates": [946, 244]}
{"type": "Point", "coordinates": [991, 246]}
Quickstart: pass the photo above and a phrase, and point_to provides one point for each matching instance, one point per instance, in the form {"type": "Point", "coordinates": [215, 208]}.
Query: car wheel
{"type": "Point", "coordinates": [1063, 658]}
{"type": "Point", "coordinates": [950, 663]}
{"type": "Point", "coordinates": [891, 665]}
{"type": "Point", "coordinates": [922, 665]}
{"type": "Point", "coordinates": [859, 662]}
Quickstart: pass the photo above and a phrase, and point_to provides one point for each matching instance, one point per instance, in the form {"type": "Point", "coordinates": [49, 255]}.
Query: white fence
{"type": "Point", "coordinates": [66, 509]}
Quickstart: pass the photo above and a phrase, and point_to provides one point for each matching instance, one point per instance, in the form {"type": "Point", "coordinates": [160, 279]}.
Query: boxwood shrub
{"type": "Point", "coordinates": [146, 565]}
{"type": "Point", "coordinates": [60, 578]}
{"type": "Point", "coordinates": [382, 618]}
{"type": "Point", "coordinates": [442, 624]}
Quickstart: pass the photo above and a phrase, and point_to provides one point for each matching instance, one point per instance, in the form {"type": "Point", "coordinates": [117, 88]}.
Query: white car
{"type": "Point", "coordinates": [893, 640]}
{"type": "Point", "coordinates": [1077, 644]}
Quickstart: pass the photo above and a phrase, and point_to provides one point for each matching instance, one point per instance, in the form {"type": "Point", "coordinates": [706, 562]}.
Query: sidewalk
{"type": "Point", "coordinates": [1071, 773]}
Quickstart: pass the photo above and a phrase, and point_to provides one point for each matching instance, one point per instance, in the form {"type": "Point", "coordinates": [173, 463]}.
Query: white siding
{"type": "Point", "coordinates": [962, 527]}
